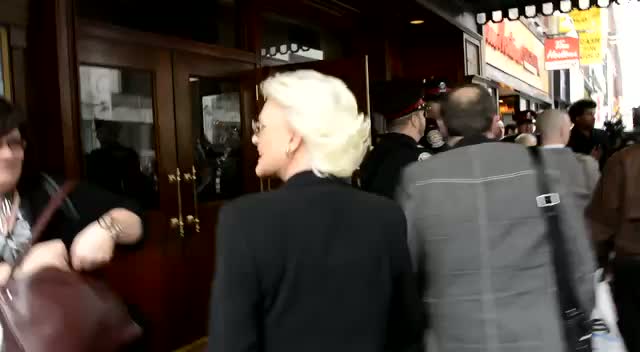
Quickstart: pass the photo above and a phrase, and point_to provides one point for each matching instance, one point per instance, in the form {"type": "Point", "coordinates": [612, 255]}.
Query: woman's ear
{"type": "Point", "coordinates": [294, 143]}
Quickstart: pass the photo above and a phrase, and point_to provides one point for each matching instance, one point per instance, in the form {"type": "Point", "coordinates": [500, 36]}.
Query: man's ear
{"type": "Point", "coordinates": [415, 119]}
{"type": "Point", "coordinates": [494, 124]}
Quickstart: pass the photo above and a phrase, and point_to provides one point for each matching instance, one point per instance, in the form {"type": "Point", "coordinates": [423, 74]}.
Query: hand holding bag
{"type": "Point", "coordinates": [54, 310]}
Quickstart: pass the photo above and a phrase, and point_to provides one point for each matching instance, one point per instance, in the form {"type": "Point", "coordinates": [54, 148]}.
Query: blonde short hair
{"type": "Point", "coordinates": [527, 139]}
{"type": "Point", "coordinates": [324, 112]}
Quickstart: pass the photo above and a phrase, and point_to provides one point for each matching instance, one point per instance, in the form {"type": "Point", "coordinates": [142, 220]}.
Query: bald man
{"type": "Point", "coordinates": [527, 139]}
{"type": "Point", "coordinates": [555, 128]}
{"type": "Point", "coordinates": [475, 237]}
{"type": "Point", "coordinates": [555, 131]}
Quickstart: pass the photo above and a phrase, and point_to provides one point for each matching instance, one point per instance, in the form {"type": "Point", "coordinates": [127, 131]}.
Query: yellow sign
{"type": "Point", "coordinates": [588, 25]}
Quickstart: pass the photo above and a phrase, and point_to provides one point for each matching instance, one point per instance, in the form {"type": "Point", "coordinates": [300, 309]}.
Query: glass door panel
{"type": "Point", "coordinates": [118, 132]}
{"type": "Point", "coordinates": [217, 121]}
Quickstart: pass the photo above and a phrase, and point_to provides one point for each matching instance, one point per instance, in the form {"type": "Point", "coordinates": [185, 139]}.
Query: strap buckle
{"type": "Point", "coordinates": [548, 200]}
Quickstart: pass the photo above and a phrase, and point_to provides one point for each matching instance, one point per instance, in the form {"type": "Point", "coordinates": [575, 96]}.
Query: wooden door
{"type": "Point", "coordinates": [128, 137]}
{"type": "Point", "coordinates": [215, 102]}
{"type": "Point", "coordinates": [353, 71]}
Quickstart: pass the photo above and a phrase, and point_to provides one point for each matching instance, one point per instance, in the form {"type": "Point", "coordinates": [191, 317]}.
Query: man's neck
{"type": "Point", "coordinates": [408, 132]}
{"type": "Point", "coordinates": [546, 141]}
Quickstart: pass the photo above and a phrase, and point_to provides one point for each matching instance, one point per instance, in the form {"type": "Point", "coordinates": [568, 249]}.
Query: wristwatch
{"type": "Point", "coordinates": [107, 223]}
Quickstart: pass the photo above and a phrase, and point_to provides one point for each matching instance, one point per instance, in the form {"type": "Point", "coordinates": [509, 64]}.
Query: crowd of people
{"type": "Point", "coordinates": [458, 237]}
{"type": "Point", "coordinates": [457, 241]}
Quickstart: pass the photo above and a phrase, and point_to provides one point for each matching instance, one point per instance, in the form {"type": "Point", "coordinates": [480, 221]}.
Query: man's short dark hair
{"type": "Point", "coordinates": [469, 110]}
{"type": "Point", "coordinates": [578, 108]}
{"type": "Point", "coordinates": [10, 117]}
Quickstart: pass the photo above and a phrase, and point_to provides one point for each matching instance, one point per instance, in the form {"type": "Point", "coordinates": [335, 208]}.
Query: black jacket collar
{"type": "Point", "coordinates": [398, 138]}
{"type": "Point", "coordinates": [307, 178]}
{"type": "Point", "coordinates": [473, 140]}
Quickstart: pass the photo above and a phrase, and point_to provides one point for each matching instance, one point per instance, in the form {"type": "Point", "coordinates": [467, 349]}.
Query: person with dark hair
{"type": "Point", "coordinates": [84, 241]}
{"type": "Point", "coordinates": [585, 138]}
{"type": "Point", "coordinates": [403, 108]}
{"type": "Point", "coordinates": [478, 239]}
{"type": "Point", "coordinates": [526, 124]}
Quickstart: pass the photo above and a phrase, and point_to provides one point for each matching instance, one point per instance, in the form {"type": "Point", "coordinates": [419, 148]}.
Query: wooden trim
{"type": "Point", "coordinates": [68, 83]}
{"type": "Point", "coordinates": [104, 31]}
{"type": "Point", "coordinates": [5, 53]}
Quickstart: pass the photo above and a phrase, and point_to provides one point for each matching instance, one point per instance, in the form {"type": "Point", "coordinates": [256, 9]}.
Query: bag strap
{"type": "Point", "coordinates": [548, 201]}
{"type": "Point", "coordinates": [52, 187]}
{"type": "Point", "coordinates": [55, 201]}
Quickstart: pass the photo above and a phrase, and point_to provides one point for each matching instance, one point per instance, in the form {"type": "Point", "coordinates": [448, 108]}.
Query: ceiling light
{"type": "Point", "coordinates": [416, 21]}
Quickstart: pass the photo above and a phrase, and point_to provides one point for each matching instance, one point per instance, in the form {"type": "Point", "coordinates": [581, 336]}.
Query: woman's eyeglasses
{"type": "Point", "coordinates": [14, 143]}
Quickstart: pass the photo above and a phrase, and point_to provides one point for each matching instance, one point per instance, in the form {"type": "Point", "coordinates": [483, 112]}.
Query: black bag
{"type": "Point", "coordinates": [578, 327]}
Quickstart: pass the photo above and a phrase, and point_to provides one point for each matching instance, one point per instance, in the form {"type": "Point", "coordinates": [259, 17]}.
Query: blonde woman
{"type": "Point", "coordinates": [316, 265]}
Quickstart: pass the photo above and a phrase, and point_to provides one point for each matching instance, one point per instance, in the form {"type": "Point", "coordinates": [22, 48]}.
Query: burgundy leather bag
{"type": "Point", "coordinates": [54, 310]}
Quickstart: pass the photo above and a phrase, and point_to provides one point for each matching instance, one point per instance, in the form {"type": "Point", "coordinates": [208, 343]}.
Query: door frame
{"type": "Point", "coordinates": [150, 261]}
{"type": "Point", "coordinates": [100, 52]}
{"type": "Point", "coordinates": [186, 64]}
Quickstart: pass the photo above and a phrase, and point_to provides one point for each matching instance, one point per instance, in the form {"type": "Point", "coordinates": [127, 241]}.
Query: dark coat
{"type": "Point", "coordinates": [582, 144]}
{"type": "Point", "coordinates": [313, 266]}
{"type": "Point", "coordinates": [380, 171]}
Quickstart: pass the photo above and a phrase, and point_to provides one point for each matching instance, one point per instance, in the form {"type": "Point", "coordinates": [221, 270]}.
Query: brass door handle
{"type": "Point", "coordinates": [193, 219]}
{"type": "Point", "coordinates": [177, 222]}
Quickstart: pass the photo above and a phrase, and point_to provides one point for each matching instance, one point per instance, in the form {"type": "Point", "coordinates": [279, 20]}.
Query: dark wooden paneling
{"type": "Point", "coordinates": [14, 12]}
{"type": "Point", "coordinates": [52, 86]}
{"type": "Point", "coordinates": [166, 42]}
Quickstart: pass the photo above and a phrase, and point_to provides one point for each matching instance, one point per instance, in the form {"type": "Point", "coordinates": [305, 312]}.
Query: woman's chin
{"type": "Point", "coordinates": [261, 172]}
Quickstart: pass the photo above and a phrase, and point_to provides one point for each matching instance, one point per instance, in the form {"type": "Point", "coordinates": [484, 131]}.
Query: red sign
{"type": "Point", "coordinates": [561, 53]}
{"type": "Point", "coordinates": [505, 43]}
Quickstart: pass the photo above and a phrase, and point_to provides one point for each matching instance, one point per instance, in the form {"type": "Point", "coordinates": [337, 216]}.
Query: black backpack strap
{"type": "Point", "coordinates": [578, 327]}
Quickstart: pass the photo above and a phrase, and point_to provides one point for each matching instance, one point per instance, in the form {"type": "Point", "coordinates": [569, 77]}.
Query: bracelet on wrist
{"type": "Point", "coordinates": [106, 222]}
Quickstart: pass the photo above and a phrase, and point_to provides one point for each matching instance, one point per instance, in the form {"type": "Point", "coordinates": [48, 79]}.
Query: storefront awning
{"type": "Point", "coordinates": [498, 10]}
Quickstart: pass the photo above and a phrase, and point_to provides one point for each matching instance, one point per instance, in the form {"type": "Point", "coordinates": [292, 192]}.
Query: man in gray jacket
{"type": "Point", "coordinates": [478, 238]}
